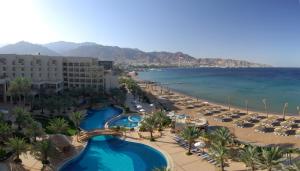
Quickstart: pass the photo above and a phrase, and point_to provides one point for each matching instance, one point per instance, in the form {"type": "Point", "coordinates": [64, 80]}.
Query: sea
{"type": "Point", "coordinates": [234, 85]}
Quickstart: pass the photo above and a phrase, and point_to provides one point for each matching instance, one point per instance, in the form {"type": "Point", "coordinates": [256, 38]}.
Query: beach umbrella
{"type": "Point", "coordinates": [142, 110]}
{"type": "Point", "coordinates": [199, 144]}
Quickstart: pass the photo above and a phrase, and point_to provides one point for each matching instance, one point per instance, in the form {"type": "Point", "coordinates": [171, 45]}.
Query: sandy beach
{"type": "Point", "coordinates": [248, 135]}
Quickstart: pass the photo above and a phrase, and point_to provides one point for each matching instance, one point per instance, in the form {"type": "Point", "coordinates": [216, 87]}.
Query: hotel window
{"type": "Point", "coordinates": [4, 68]}
{"type": "Point", "coordinates": [14, 74]}
{"type": "Point", "coordinates": [70, 64]}
{"type": "Point", "coordinates": [40, 69]}
{"type": "Point", "coordinates": [23, 74]}
{"type": "Point", "coordinates": [40, 75]}
{"type": "Point", "coordinates": [3, 61]}
{"type": "Point", "coordinates": [22, 69]}
{"type": "Point", "coordinates": [14, 69]}
{"type": "Point", "coordinates": [31, 75]}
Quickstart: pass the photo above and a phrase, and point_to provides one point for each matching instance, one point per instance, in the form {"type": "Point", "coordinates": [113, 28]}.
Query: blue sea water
{"type": "Point", "coordinates": [107, 153]}
{"type": "Point", "coordinates": [277, 85]}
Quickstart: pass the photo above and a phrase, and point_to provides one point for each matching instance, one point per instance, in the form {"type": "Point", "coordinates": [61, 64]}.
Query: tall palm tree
{"type": "Point", "coordinates": [271, 158]}
{"type": "Point", "coordinates": [223, 135]}
{"type": "Point", "coordinates": [19, 146]}
{"type": "Point", "coordinates": [264, 101]}
{"type": "Point", "coordinates": [20, 86]}
{"type": "Point", "coordinates": [250, 155]}
{"type": "Point", "coordinates": [76, 118]}
{"type": "Point", "coordinates": [285, 107]}
{"type": "Point", "coordinates": [150, 124]}
{"type": "Point", "coordinates": [190, 134]}
{"type": "Point", "coordinates": [58, 125]}
{"type": "Point", "coordinates": [42, 151]}
{"type": "Point", "coordinates": [162, 120]}
{"type": "Point", "coordinates": [220, 153]}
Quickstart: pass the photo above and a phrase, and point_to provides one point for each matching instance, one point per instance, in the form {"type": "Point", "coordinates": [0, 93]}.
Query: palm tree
{"type": "Point", "coordinates": [162, 120]}
{"type": "Point", "coordinates": [22, 116]}
{"type": "Point", "coordinates": [42, 150]}
{"type": "Point", "coordinates": [270, 158]}
{"type": "Point", "coordinates": [20, 86]}
{"type": "Point", "coordinates": [19, 146]}
{"type": "Point", "coordinates": [220, 153]}
{"type": "Point", "coordinates": [294, 167]}
{"type": "Point", "coordinates": [285, 107]}
{"type": "Point", "coordinates": [76, 118]}
{"type": "Point", "coordinates": [34, 130]}
{"type": "Point", "coordinates": [149, 123]}
{"type": "Point", "coordinates": [264, 101]}
{"type": "Point", "coordinates": [222, 135]}
{"type": "Point", "coordinates": [249, 155]}
{"type": "Point", "coordinates": [190, 134]}
{"type": "Point", "coordinates": [5, 131]}
{"type": "Point", "coordinates": [58, 125]}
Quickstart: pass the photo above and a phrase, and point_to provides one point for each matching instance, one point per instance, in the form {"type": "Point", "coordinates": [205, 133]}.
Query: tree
{"type": "Point", "coordinates": [222, 135]}
{"type": "Point", "coordinates": [58, 125]}
{"type": "Point", "coordinates": [270, 158]}
{"type": "Point", "coordinates": [76, 118]}
{"type": "Point", "coordinates": [22, 117]}
{"type": "Point", "coordinates": [34, 130]}
{"type": "Point", "coordinates": [19, 86]}
{"type": "Point", "coordinates": [285, 107]}
{"type": "Point", "coordinates": [250, 155]}
{"type": "Point", "coordinates": [162, 120]}
{"type": "Point", "coordinates": [264, 101]}
{"type": "Point", "coordinates": [19, 146]}
{"type": "Point", "coordinates": [42, 151]}
{"type": "Point", "coordinates": [5, 131]}
{"type": "Point", "coordinates": [220, 153]}
{"type": "Point", "coordinates": [190, 134]}
{"type": "Point", "coordinates": [149, 123]}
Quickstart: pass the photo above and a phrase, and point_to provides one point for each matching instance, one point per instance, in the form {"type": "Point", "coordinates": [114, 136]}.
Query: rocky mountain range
{"type": "Point", "coordinates": [122, 55]}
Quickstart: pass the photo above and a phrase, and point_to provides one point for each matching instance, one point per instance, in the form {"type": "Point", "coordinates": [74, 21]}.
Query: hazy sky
{"type": "Point", "coordinates": [266, 31]}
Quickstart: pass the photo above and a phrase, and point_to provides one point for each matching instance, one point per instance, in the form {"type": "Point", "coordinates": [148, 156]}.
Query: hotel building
{"type": "Point", "coordinates": [55, 73]}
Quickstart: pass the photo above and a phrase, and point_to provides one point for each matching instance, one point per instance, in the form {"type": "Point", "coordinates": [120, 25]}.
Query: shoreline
{"type": "Point", "coordinates": [246, 134]}
{"type": "Point", "coordinates": [232, 107]}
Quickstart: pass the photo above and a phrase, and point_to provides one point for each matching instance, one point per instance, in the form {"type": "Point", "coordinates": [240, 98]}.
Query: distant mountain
{"type": "Point", "coordinates": [127, 56]}
{"type": "Point", "coordinates": [27, 48]}
{"type": "Point", "coordinates": [62, 46]}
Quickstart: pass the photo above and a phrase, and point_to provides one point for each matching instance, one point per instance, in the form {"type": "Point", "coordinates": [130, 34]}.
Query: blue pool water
{"type": "Point", "coordinates": [127, 121]}
{"type": "Point", "coordinates": [277, 85]}
{"type": "Point", "coordinates": [98, 118]}
{"type": "Point", "coordinates": [107, 153]}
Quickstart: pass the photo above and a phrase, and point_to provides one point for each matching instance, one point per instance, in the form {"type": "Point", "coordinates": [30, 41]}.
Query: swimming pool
{"type": "Point", "coordinates": [113, 154]}
{"type": "Point", "coordinates": [107, 153]}
{"type": "Point", "coordinates": [97, 118]}
{"type": "Point", "coordinates": [127, 121]}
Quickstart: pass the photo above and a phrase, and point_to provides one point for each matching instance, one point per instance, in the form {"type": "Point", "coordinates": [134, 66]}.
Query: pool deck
{"type": "Point", "coordinates": [176, 155]}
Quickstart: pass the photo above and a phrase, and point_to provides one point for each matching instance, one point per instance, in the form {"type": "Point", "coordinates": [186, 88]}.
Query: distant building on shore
{"type": "Point", "coordinates": [56, 73]}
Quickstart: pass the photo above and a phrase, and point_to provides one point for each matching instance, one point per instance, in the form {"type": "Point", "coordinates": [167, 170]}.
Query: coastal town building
{"type": "Point", "coordinates": [56, 73]}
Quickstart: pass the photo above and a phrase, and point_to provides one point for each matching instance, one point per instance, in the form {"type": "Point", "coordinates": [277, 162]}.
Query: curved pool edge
{"type": "Point", "coordinates": [69, 159]}
{"type": "Point", "coordinates": [170, 162]}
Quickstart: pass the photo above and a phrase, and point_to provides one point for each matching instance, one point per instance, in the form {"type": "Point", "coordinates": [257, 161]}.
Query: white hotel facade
{"type": "Point", "coordinates": [56, 73]}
